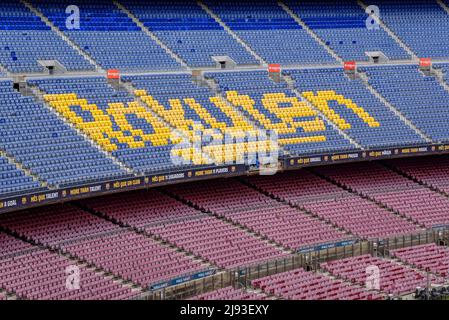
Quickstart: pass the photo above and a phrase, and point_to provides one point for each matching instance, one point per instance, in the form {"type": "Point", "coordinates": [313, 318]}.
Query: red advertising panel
{"type": "Point", "coordinates": [425, 62]}
{"type": "Point", "coordinates": [274, 67]}
{"type": "Point", "coordinates": [113, 74]}
{"type": "Point", "coordinates": [350, 65]}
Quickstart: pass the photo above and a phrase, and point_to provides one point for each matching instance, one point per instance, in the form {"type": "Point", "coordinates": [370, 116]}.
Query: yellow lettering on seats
{"type": "Point", "coordinates": [248, 104]}
{"type": "Point", "coordinates": [101, 128]}
{"type": "Point", "coordinates": [204, 114]}
{"type": "Point", "coordinates": [287, 115]}
{"type": "Point", "coordinates": [119, 111]}
{"type": "Point", "coordinates": [321, 101]}
{"type": "Point", "coordinates": [175, 115]}
{"type": "Point", "coordinates": [296, 109]}
{"type": "Point", "coordinates": [238, 121]}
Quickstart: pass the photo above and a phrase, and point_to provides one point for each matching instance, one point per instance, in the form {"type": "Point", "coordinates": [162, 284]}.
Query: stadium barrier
{"type": "Point", "coordinates": [242, 277]}
{"type": "Point", "coordinates": [23, 201]}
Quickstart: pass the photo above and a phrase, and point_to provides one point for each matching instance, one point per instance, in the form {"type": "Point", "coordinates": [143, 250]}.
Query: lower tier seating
{"type": "Point", "coordinates": [433, 171]}
{"type": "Point", "coordinates": [276, 221]}
{"type": "Point", "coordinates": [302, 285]}
{"type": "Point", "coordinates": [428, 257]}
{"type": "Point", "coordinates": [214, 240]}
{"type": "Point", "coordinates": [33, 273]}
{"type": "Point", "coordinates": [393, 277]}
{"type": "Point", "coordinates": [221, 244]}
{"type": "Point", "coordinates": [131, 256]}
{"type": "Point", "coordinates": [342, 208]}
{"type": "Point", "coordinates": [393, 190]}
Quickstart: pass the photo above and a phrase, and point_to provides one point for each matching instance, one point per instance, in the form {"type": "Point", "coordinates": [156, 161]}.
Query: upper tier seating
{"type": "Point", "coordinates": [270, 32]}
{"type": "Point", "coordinates": [421, 24]}
{"type": "Point", "coordinates": [302, 285]}
{"type": "Point", "coordinates": [428, 257]}
{"type": "Point", "coordinates": [192, 109]}
{"type": "Point", "coordinates": [24, 39]}
{"type": "Point", "coordinates": [393, 190]}
{"type": "Point", "coordinates": [365, 118]}
{"type": "Point", "coordinates": [272, 106]}
{"type": "Point", "coordinates": [342, 26]}
{"type": "Point", "coordinates": [421, 99]}
{"type": "Point", "coordinates": [13, 180]}
{"type": "Point", "coordinates": [344, 209]}
{"type": "Point", "coordinates": [189, 31]}
{"type": "Point", "coordinates": [394, 278]}
{"type": "Point", "coordinates": [216, 241]}
{"type": "Point", "coordinates": [45, 145]}
{"type": "Point", "coordinates": [109, 36]}
{"type": "Point", "coordinates": [125, 253]}
{"type": "Point", "coordinates": [229, 293]}
{"type": "Point", "coordinates": [259, 213]}
{"type": "Point", "coordinates": [113, 120]}
{"type": "Point", "coordinates": [38, 274]}
{"type": "Point", "coordinates": [433, 171]}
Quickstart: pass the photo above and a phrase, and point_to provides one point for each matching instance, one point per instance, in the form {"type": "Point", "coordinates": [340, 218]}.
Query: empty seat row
{"type": "Point", "coordinates": [299, 284]}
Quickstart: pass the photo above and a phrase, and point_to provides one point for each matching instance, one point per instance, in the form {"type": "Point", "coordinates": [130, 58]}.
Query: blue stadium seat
{"type": "Point", "coordinates": [24, 39]}
{"type": "Point", "coordinates": [342, 26]}
{"type": "Point", "coordinates": [45, 145]}
{"type": "Point", "coordinates": [14, 180]}
{"type": "Point", "coordinates": [420, 98]}
{"type": "Point", "coordinates": [140, 154]}
{"type": "Point", "coordinates": [271, 32]}
{"type": "Point", "coordinates": [109, 36]}
{"type": "Point", "coordinates": [391, 131]}
{"type": "Point", "coordinates": [296, 139]}
{"type": "Point", "coordinates": [422, 25]}
{"type": "Point", "coordinates": [189, 31]}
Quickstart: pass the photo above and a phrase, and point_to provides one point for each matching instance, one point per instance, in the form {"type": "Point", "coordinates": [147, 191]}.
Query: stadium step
{"type": "Point", "coordinates": [131, 90]}
{"type": "Point", "coordinates": [28, 172]}
{"type": "Point", "coordinates": [8, 295]}
{"type": "Point", "coordinates": [71, 43]}
{"type": "Point", "coordinates": [414, 179]}
{"type": "Point", "coordinates": [151, 34]}
{"type": "Point", "coordinates": [389, 31]}
{"type": "Point", "coordinates": [228, 221]}
{"type": "Point", "coordinates": [366, 197]}
{"type": "Point", "coordinates": [439, 75]}
{"type": "Point", "coordinates": [291, 83]}
{"type": "Point", "coordinates": [141, 231]}
{"type": "Point", "coordinates": [232, 33]}
{"type": "Point", "coordinates": [38, 95]}
{"type": "Point", "coordinates": [443, 6]}
{"type": "Point", "coordinates": [3, 71]}
{"type": "Point", "coordinates": [78, 261]}
{"type": "Point", "coordinates": [310, 31]}
{"type": "Point", "coordinates": [393, 109]}
{"type": "Point", "coordinates": [295, 206]}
